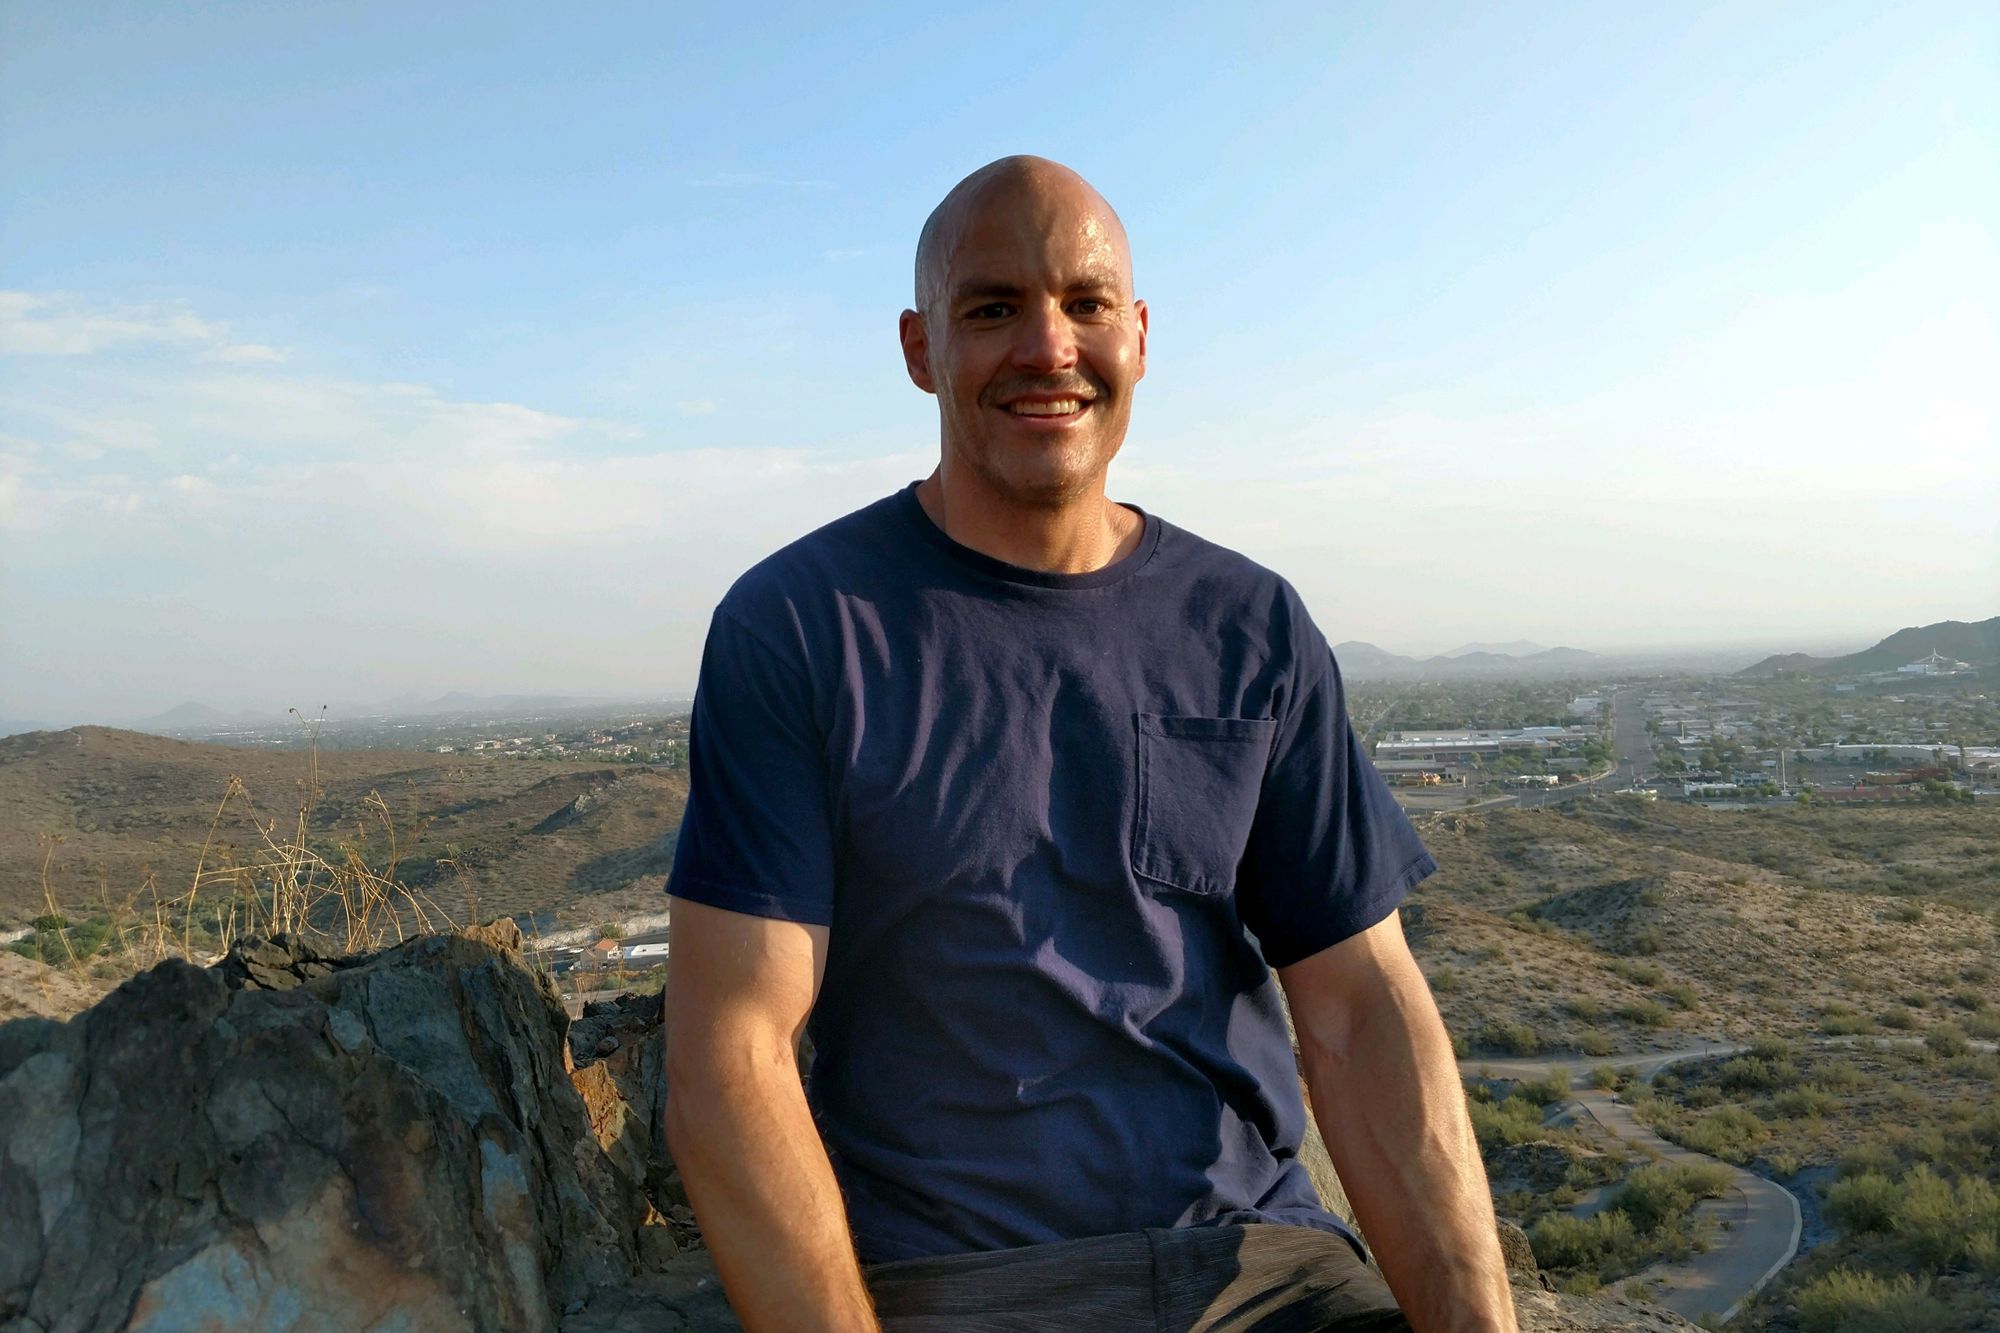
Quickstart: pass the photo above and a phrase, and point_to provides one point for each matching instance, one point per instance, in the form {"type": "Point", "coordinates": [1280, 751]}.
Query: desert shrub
{"type": "Point", "coordinates": [1513, 1038]}
{"type": "Point", "coordinates": [1583, 1007]}
{"type": "Point", "coordinates": [1729, 1132]}
{"type": "Point", "coordinates": [1639, 974]}
{"type": "Point", "coordinates": [1604, 1077]}
{"type": "Point", "coordinates": [1984, 1024]}
{"type": "Point", "coordinates": [1968, 997]}
{"type": "Point", "coordinates": [1845, 1301]}
{"type": "Point", "coordinates": [1944, 1222]}
{"type": "Point", "coordinates": [1863, 1158]}
{"type": "Point", "coordinates": [1907, 912]}
{"type": "Point", "coordinates": [1502, 1124]}
{"type": "Point", "coordinates": [1543, 1091]}
{"type": "Point", "coordinates": [1978, 972]}
{"type": "Point", "coordinates": [1644, 1013]}
{"type": "Point", "coordinates": [1898, 1017]}
{"type": "Point", "coordinates": [1849, 1024]}
{"type": "Point", "coordinates": [1811, 1100]}
{"type": "Point", "coordinates": [1683, 994]}
{"type": "Point", "coordinates": [1646, 942]}
{"type": "Point", "coordinates": [1773, 1048]}
{"type": "Point", "coordinates": [1562, 1241]}
{"type": "Point", "coordinates": [1862, 1202]}
{"type": "Point", "coordinates": [1946, 1039]}
{"type": "Point", "coordinates": [1591, 1041]}
{"type": "Point", "coordinates": [1444, 979]}
{"type": "Point", "coordinates": [1655, 1196]}
{"type": "Point", "coordinates": [1751, 1073]}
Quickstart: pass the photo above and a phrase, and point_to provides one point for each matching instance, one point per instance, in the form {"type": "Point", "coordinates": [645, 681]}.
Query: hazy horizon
{"type": "Point", "coordinates": [479, 349]}
{"type": "Point", "coordinates": [275, 705]}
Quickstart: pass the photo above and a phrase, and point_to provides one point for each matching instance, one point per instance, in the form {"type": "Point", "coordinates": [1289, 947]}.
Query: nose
{"type": "Point", "coordinates": [1044, 339]}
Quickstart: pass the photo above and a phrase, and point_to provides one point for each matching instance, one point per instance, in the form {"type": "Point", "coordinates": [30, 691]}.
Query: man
{"type": "Point", "coordinates": [1019, 795]}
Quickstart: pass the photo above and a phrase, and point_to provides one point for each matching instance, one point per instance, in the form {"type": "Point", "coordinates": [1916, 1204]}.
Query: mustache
{"type": "Point", "coordinates": [1053, 386]}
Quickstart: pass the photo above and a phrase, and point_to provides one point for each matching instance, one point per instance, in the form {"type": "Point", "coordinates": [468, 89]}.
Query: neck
{"type": "Point", "coordinates": [1079, 536]}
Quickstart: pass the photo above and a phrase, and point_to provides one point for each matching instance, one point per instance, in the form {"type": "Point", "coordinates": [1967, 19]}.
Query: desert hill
{"type": "Point", "coordinates": [1977, 644]}
{"type": "Point", "coordinates": [1624, 925]}
{"type": "Point", "coordinates": [105, 810]}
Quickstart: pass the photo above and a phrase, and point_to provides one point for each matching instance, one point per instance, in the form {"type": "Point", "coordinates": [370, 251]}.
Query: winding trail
{"type": "Point", "coordinates": [1758, 1221]}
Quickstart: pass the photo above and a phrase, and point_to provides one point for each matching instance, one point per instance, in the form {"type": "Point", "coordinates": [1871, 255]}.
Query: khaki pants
{"type": "Point", "coordinates": [1208, 1279]}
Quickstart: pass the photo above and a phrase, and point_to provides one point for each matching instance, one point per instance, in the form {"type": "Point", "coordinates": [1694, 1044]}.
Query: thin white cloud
{"type": "Point", "coordinates": [60, 325]}
{"type": "Point", "coordinates": [695, 407]}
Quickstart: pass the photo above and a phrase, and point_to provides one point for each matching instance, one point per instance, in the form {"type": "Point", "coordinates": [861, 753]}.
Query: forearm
{"type": "Point", "coordinates": [1386, 1093]}
{"type": "Point", "coordinates": [762, 1187]}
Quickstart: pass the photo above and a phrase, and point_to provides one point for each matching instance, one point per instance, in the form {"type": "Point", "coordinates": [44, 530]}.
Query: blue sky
{"type": "Point", "coordinates": [354, 349]}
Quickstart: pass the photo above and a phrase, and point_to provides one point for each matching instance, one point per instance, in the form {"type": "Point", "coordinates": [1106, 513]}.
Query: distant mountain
{"type": "Point", "coordinates": [15, 726]}
{"type": "Point", "coordinates": [1518, 648]}
{"type": "Point", "coordinates": [192, 716]}
{"type": "Point", "coordinates": [1977, 644]}
{"type": "Point", "coordinates": [1365, 659]}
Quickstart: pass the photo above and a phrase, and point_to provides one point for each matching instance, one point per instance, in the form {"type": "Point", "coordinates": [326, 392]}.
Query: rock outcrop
{"type": "Point", "coordinates": [385, 1142]}
{"type": "Point", "coordinates": [414, 1139]}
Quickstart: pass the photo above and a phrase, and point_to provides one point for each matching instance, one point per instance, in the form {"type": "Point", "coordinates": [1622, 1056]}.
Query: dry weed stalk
{"type": "Point", "coordinates": [286, 885]}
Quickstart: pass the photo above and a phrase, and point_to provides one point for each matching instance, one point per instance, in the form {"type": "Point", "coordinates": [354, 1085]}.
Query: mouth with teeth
{"type": "Point", "coordinates": [1047, 411]}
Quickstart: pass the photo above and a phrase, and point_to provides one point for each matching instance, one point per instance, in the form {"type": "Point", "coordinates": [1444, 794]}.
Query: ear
{"type": "Point", "coordinates": [916, 350]}
{"type": "Point", "coordinates": [1141, 314]}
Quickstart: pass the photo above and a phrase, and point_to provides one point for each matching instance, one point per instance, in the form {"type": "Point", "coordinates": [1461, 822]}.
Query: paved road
{"type": "Point", "coordinates": [1631, 746]}
{"type": "Point", "coordinates": [1757, 1222]}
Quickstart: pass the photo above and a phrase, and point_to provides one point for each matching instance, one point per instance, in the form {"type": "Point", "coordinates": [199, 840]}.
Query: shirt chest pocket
{"type": "Point", "coordinates": [1198, 783]}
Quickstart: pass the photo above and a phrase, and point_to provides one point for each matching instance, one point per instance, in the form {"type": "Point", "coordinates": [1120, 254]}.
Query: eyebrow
{"type": "Point", "coordinates": [994, 289]}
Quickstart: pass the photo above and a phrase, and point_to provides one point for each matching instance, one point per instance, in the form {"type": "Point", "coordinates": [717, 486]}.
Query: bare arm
{"type": "Point", "coordinates": [738, 994]}
{"type": "Point", "coordinates": [1387, 1097]}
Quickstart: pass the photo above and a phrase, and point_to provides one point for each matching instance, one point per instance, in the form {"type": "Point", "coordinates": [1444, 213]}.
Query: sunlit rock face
{"type": "Point", "coordinates": [291, 1142]}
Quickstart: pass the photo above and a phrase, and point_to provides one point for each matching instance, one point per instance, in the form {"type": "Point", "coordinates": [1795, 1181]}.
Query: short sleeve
{"type": "Point", "coordinates": [757, 836]}
{"type": "Point", "coordinates": [1330, 852]}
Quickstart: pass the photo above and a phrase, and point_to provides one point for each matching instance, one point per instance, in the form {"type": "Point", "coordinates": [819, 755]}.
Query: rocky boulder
{"type": "Point", "coordinates": [291, 1143]}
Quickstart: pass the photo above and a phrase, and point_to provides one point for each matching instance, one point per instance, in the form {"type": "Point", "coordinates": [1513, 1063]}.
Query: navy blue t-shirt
{"type": "Point", "coordinates": [1061, 826]}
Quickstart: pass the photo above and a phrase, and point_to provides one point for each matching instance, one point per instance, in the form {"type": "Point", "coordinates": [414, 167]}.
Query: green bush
{"type": "Point", "coordinates": [1898, 1017]}
{"type": "Point", "coordinates": [1444, 979]}
{"type": "Point", "coordinates": [1513, 1038]}
{"type": "Point", "coordinates": [1845, 1301]}
{"type": "Point", "coordinates": [1842, 1075]}
{"type": "Point", "coordinates": [1847, 1025]}
{"type": "Point", "coordinates": [1646, 942]}
{"type": "Point", "coordinates": [1943, 1223]}
{"type": "Point", "coordinates": [1644, 1013]}
{"type": "Point", "coordinates": [1604, 1077]}
{"type": "Point", "coordinates": [1968, 997]}
{"type": "Point", "coordinates": [1984, 1024]}
{"type": "Point", "coordinates": [1946, 1039]}
{"type": "Point", "coordinates": [1502, 1124]}
{"type": "Point", "coordinates": [1683, 994]}
{"type": "Point", "coordinates": [1810, 1101]}
{"type": "Point", "coordinates": [1729, 1132]}
{"type": "Point", "coordinates": [1862, 1202]}
{"type": "Point", "coordinates": [1543, 1091]}
{"type": "Point", "coordinates": [1656, 1196]}
{"type": "Point", "coordinates": [1601, 1241]}
{"type": "Point", "coordinates": [1639, 974]}
{"type": "Point", "coordinates": [1591, 1041]}
{"type": "Point", "coordinates": [1583, 1007]}
{"type": "Point", "coordinates": [1752, 1073]}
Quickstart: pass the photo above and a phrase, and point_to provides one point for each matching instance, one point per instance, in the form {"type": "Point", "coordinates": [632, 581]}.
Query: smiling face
{"type": "Point", "coordinates": [1028, 333]}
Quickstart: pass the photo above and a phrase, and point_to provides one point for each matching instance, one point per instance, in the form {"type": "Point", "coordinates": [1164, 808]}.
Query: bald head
{"type": "Point", "coordinates": [1044, 192]}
